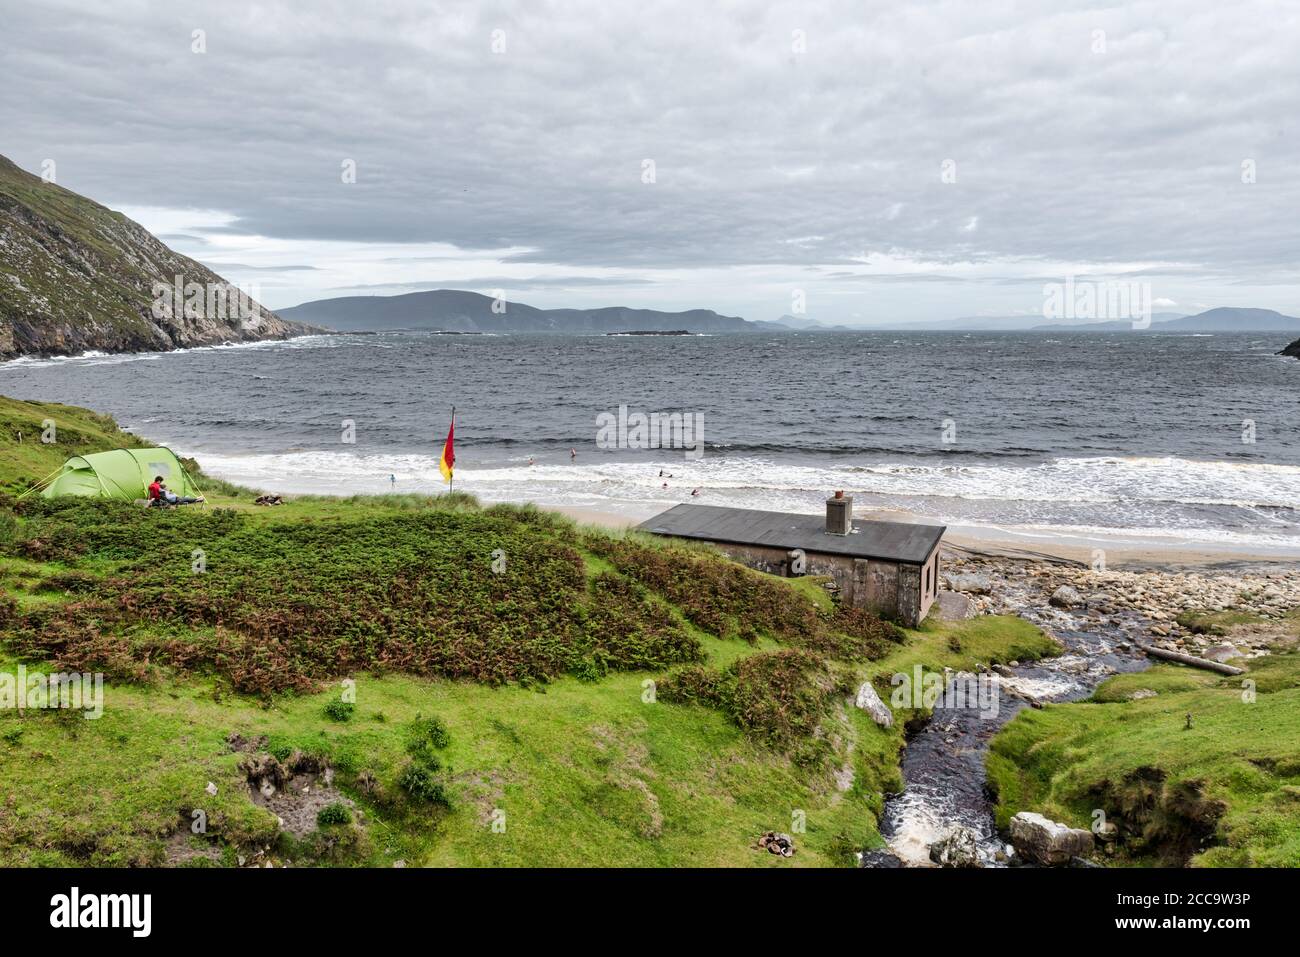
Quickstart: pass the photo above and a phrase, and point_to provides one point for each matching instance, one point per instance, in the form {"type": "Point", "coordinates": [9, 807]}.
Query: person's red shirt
{"type": "Point", "coordinates": [155, 491]}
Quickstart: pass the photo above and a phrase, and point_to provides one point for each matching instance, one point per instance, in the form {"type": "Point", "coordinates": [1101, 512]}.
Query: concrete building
{"type": "Point", "coordinates": [891, 568]}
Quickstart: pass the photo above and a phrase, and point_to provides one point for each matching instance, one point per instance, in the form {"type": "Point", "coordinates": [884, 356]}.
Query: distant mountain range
{"type": "Point", "coordinates": [455, 310]}
{"type": "Point", "coordinates": [1021, 323]}
{"type": "Point", "coordinates": [76, 276]}
{"type": "Point", "coordinates": [1223, 319]}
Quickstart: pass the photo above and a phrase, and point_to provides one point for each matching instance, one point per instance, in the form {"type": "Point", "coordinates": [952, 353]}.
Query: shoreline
{"type": "Point", "coordinates": [975, 541]}
{"type": "Point", "coordinates": [611, 503]}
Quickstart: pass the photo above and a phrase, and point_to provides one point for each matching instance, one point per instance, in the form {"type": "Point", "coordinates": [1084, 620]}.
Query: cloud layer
{"type": "Point", "coordinates": [890, 161]}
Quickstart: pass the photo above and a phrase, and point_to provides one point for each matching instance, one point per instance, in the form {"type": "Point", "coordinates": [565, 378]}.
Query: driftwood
{"type": "Point", "coordinates": [1195, 662]}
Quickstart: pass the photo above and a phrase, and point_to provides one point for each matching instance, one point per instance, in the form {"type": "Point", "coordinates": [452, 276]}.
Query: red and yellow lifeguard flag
{"type": "Point", "coordinates": [447, 464]}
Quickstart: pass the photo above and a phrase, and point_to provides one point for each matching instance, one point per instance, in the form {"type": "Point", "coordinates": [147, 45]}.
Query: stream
{"type": "Point", "coordinates": [943, 763]}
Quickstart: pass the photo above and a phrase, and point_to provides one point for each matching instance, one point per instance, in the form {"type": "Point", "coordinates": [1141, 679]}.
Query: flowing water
{"type": "Point", "coordinates": [943, 764]}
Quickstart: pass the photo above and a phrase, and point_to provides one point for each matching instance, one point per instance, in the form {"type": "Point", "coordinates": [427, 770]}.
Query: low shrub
{"type": "Point", "coordinates": [778, 697]}
{"type": "Point", "coordinates": [423, 785]}
{"type": "Point", "coordinates": [332, 815]}
{"type": "Point", "coordinates": [340, 710]}
{"type": "Point", "coordinates": [731, 601]}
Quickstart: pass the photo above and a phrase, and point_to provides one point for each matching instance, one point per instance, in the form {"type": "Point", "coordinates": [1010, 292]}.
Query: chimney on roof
{"type": "Point", "coordinates": [839, 514]}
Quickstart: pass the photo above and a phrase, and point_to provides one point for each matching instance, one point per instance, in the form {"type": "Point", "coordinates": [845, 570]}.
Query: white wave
{"type": "Point", "coordinates": [96, 357]}
{"type": "Point", "coordinates": [963, 498]}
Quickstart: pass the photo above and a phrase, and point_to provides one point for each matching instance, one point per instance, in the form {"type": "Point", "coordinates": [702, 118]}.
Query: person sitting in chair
{"type": "Point", "coordinates": [160, 495]}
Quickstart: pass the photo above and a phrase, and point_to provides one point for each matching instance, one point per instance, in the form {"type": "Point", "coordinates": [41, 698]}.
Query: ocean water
{"type": "Point", "coordinates": [1183, 440]}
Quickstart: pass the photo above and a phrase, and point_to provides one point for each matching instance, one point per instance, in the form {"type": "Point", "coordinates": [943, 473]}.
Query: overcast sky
{"type": "Point", "coordinates": [796, 147]}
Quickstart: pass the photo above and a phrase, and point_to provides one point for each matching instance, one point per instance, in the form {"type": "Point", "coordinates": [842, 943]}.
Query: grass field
{"type": "Point", "coordinates": [320, 638]}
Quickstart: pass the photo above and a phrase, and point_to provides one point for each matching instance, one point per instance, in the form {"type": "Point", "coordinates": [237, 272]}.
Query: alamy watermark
{"type": "Point", "coordinates": [931, 689]}
{"type": "Point", "coordinates": [198, 300]}
{"type": "Point", "coordinates": [1098, 299]}
{"type": "Point", "coordinates": [70, 691]}
{"type": "Point", "coordinates": [654, 430]}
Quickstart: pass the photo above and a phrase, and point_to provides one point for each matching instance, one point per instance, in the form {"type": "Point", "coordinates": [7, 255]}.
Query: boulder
{"type": "Point", "coordinates": [1220, 653]}
{"type": "Point", "coordinates": [958, 849]}
{"type": "Point", "coordinates": [869, 701]}
{"type": "Point", "coordinates": [969, 582]}
{"type": "Point", "coordinates": [955, 605]}
{"type": "Point", "coordinates": [880, 859]}
{"type": "Point", "coordinates": [1067, 596]}
{"type": "Point", "coordinates": [1046, 842]}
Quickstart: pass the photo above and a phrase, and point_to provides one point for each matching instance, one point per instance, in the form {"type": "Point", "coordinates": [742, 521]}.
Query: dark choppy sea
{"type": "Point", "coordinates": [1037, 435]}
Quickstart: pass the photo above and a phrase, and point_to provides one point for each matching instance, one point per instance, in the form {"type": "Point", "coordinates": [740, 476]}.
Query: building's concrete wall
{"type": "Point", "coordinates": [893, 590]}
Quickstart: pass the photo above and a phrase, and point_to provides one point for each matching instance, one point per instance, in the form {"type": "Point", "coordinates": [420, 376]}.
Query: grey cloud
{"type": "Point", "coordinates": [1063, 154]}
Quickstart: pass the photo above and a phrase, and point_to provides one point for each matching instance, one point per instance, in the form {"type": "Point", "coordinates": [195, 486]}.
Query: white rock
{"type": "Point", "coordinates": [1046, 842]}
{"type": "Point", "coordinates": [868, 701]}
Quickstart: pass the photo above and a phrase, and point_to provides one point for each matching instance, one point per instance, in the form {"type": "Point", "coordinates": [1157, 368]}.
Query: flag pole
{"type": "Point", "coordinates": [451, 482]}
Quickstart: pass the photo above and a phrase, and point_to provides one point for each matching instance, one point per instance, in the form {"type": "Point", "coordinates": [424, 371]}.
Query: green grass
{"type": "Point", "coordinates": [1236, 771]}
{"type": "Point", "coordinates": [540, 676]}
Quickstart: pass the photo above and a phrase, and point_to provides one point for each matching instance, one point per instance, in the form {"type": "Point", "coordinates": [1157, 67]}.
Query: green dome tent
{"type": "Point", "coordinates": [121, 473]}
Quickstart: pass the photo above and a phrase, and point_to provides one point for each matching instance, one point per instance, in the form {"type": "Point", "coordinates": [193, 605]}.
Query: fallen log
{"type": "Point", "coordinates": [1192, 660]}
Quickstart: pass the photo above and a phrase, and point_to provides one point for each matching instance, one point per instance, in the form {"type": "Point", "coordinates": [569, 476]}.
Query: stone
{"type": "Point", "coordinates": [958, 849]}
{"type": "Point", "coordinates": [869, 701]}
{"type": "Point", "coordinates": [969, 582]}
{"type": "Point", "coordinates": [1066, 597]}
{"type": "Point", "coordinates": [1046, 842]}
{"type": "Point", "coordinates": [776, 843]}
{"type": "Point", "coordinates": [955, 605]}
{"type": "Point", "coordinates": [879, 859]}
{"type": "Point", "coordinates": [1220, 653]}
{"type": "Point", "coordinates": [211, 789]}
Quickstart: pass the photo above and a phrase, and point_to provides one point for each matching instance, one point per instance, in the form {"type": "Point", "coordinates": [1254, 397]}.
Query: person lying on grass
{"type": "Point", "coordinates": [160, 495]}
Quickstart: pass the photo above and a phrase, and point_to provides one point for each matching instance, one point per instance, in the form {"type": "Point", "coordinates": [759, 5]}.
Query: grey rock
{"type": "Point", "coordinates": [969, 582]}
{"type": "Point", "coordinates": [958, 849]}
{"type": "Point", "coordinates": [1043, 841]}
{"type": "Point", "coordinates": [869, 701]}
{"type": "Point", "coordinates": [880, 859]}
{"type": "Point", "coordinates": [1066, 597]}
{"type": "Point", "coordinates": [955, 605]}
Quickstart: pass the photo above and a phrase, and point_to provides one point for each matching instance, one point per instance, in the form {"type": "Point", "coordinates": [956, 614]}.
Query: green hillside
{"type": "Point", "coordinates": [427, 681]}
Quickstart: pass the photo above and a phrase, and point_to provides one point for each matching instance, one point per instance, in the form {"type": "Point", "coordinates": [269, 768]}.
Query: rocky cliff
{"type": "Point", "coordinates": [75, 276]}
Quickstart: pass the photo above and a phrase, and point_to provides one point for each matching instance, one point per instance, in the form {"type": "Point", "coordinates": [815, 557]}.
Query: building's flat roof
{"type": "Point", "coordinates": [887, 541]}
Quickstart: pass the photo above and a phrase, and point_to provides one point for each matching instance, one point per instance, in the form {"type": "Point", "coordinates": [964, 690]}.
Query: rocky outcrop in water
{"type": "Point", "coordinates": [76, 277]}
{"type": "Point", "coordinates": [1293, 350]}
{"type": "Point", "coordinates": [960, 848]}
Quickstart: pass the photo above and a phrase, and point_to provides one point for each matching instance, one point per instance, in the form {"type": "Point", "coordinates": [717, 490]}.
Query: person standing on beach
{"type": "Point", "coordinates": [392, 482]}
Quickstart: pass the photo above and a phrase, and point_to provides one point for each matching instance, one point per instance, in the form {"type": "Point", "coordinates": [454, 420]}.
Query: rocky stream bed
{"type": "Point", "coordinates": [1102, 619]}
